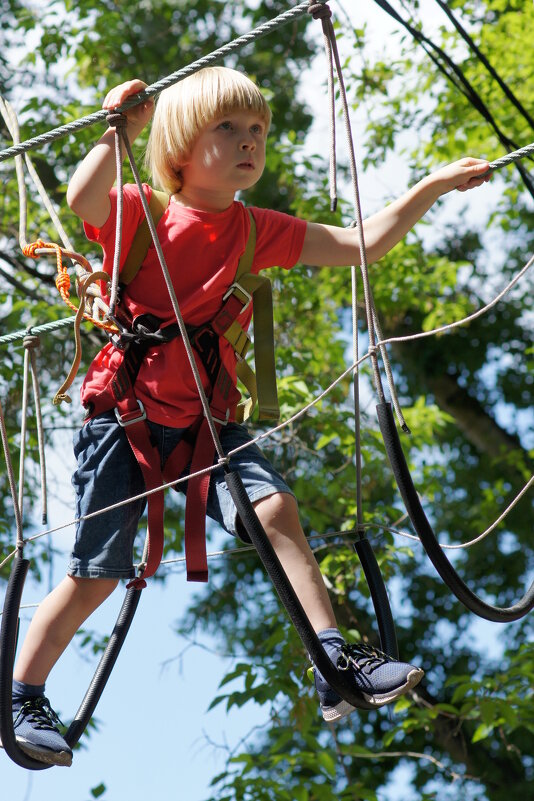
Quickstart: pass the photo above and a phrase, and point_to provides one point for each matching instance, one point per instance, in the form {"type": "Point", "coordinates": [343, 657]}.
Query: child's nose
{"type": "Point", "coordinates": [247, 142]}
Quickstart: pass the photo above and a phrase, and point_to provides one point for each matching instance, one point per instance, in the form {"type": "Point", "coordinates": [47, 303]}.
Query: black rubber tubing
{"type": "Point", "coordinates": [8, 641]}
{"type": "Point", "coordinates": [338, 680]}
{"type": "Point", "coordinates": [104, 667]}
{"type": "Point", "coordinates": [379, 597]}
{"type": "Point", "coordinates": [8, 644]}
{"type": "Point", "coordinates": [428, 539]}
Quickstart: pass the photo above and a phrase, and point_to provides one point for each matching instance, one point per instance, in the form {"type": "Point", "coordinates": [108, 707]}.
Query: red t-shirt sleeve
{"type": "Point", "coordinates": [279, 239]}
{"type": "Point", "coordinates": [132, 216]}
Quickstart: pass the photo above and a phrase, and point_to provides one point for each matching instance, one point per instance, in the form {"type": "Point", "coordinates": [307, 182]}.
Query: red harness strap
{"type": "Point", "coordinates": [197, 449]}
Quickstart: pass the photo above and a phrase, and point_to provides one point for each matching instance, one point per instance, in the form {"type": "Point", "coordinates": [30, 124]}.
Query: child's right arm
{"type": "Point", "coordinates": [89, 187]}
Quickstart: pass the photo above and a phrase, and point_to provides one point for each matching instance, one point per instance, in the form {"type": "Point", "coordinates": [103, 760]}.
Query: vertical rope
{"type": "Point", "coordinates": [24, 415]}
{"type": "Point", "coordinates": [31, 344]}
{"type": "Point", "coordinates": [11, 480]}
{"type": "Point", "coordinates": [119, 123]}
{"type": "Point", "coordinates": [40, 432]}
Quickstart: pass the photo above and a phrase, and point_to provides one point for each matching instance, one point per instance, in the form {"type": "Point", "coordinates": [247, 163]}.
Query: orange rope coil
{"type": "Point", "coordinates": [63, 282]}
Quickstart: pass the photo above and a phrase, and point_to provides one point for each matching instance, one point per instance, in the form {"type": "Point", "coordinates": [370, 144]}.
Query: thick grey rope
{"type": "Point", "coordinates": [37, 329]}
{"type": "Point", "coordinates": [504, 161]}
{"type": "Point", "coordinates": [99, 116]}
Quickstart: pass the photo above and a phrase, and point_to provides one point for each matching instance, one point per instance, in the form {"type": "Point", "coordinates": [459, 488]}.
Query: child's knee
{"type": "Point", "coordinates": [277, 512]}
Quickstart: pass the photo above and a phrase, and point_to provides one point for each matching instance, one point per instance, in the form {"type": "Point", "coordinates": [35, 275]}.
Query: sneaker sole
{"type": "Point", "coordinates": [333, 713]}
{"type": "Point", "coordinates": [62, 758]}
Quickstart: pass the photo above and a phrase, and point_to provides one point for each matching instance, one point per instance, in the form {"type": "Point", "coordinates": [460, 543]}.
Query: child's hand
{"type": "Point", "coordinates": [137, 115]}
{"type": "Point", "coordinates": [462, 175]}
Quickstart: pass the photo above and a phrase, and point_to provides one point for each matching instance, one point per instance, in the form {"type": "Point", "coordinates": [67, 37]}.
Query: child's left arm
{"type": "Point", "coordinates": [330, 246]}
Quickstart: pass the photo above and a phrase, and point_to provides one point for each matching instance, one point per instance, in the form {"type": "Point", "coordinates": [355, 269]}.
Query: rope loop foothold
{"type": "Point", "coordinates": [115, 119]}
{"type": "Point", "coordinates": [319, 10]}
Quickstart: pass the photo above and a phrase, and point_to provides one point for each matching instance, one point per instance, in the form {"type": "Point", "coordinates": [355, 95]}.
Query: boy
{"type": "Point", "coordinates": [207, 142]}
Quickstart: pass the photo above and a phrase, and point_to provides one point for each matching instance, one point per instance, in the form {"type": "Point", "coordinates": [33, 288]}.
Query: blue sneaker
{"type": "Point", "coordinates": [36, 731]}
{"type": "Point", "coordinates": [379, 677]}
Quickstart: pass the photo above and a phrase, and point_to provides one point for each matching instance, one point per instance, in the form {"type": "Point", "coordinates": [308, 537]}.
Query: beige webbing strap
{"type": "Point", "coordinates": [141, 242]}
{"type": "Point", "coordinates": [262, 386]}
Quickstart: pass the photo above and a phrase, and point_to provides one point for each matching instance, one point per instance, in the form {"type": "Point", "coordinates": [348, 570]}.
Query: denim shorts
{"type": "Point", "coordinates": [108, 472]}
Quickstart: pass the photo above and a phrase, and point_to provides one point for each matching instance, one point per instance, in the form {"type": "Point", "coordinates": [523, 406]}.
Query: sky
{"type": "Point", "coordinates": [156, 738]}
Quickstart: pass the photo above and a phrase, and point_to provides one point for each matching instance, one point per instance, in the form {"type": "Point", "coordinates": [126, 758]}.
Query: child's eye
{"type": "Point", "coordinates": [226, 125]}
{"type": "Point", "coordinates": [256, 129]}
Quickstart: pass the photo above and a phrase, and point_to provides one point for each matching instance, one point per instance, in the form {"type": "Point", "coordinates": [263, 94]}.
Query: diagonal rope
{"type": "Point", "coordinates": [487, 64]}
{"type": "Point", "coordinates": [216, 55]}
{"type": "Point", "coordinates": [455, 75]}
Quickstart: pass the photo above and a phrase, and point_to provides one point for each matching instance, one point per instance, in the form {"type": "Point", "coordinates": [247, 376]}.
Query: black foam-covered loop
{"type": "Point", "coordinates": [379, 596]}
{"type": "Point", "coordinates": [430, 543]}
{"type": "Point", "coordinates": [338, 680]}
{"type": "Point", "coordinates": [8, 645]}
{"type": "Point", "coordinates": [104, 667]}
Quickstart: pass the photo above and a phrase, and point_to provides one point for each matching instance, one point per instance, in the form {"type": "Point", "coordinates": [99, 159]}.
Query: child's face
{"type": "Point", "coordinates": [228, 155]}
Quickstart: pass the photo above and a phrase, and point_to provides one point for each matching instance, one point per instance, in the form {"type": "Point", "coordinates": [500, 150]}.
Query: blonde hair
{"type": "Point", "coordinates": [183, 111]}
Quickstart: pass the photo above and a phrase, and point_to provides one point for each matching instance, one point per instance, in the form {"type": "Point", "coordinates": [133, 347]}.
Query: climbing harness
{"type": "Point", "coordinates": [135, 339]}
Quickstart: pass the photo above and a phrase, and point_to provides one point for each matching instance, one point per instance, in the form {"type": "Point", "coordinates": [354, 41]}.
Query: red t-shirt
{"type": "Point", "coordinates": [201, 250]}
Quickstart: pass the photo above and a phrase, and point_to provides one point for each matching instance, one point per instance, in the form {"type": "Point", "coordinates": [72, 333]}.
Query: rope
{"type": "Point", "coordinates": [63, 283]}
{"type": "Point", "coordinates": [324, 14]}
{"type": "Point", "coordinates": [31, 344]}
{"type": "Point", "coordinates": [460, 82]}
{"type": "Point", "coordinates": [217, 55]}
{"type": "Point", "coordinates": [489, 67]}
{"type": "Point", "coordinates": [11, 480]}
{"type": "Point", "coordinates": [119, 122]}
{"type": "Point", "coordinates": [54, 325]}
{"type": "Point", "coordinates": [510, 158]}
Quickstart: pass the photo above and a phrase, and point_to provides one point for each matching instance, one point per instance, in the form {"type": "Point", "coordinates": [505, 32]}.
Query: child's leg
{"type": "Point", "coordinates": [278, 514]}
{"type": "Point", "coordinates": [376, 676]}
{"type": "Point", "coordinates": [55, 623]}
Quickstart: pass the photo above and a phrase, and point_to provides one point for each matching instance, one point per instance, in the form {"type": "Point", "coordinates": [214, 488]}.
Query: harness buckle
{"type": "Point", "coordinates": [140, 414]}
{"type": "Point", "coordinates": [218, 419]}
{"type": "Point", "coordinates": [231, 291]}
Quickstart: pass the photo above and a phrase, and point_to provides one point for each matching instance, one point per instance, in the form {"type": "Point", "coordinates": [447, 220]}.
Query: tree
{"type": "Point", "coordinates": [467, 398]}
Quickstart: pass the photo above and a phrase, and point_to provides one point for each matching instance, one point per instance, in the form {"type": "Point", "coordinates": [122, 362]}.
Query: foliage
{"type": "Point", "coordinates": [467, 395]}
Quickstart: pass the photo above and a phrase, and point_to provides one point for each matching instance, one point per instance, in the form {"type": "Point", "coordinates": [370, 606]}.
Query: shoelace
{"type": "Point", "coordinates": [39, 713]}
{"type": "Point", "coordinates": [364, 658]}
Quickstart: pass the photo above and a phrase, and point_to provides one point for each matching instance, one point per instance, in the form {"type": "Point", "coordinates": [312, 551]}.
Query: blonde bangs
{"type": "Point", "coordinates": [184, 110]}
